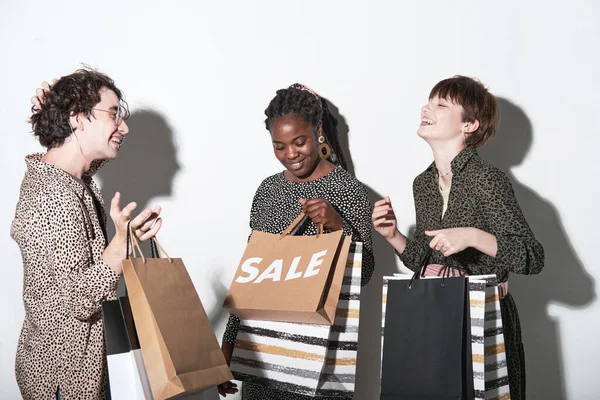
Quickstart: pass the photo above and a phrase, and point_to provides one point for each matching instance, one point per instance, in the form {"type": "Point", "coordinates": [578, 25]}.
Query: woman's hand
{"type": "Point", "coordinates": [385, 223]}
{"type": "Point", "coordinates": [451, 241]}
{"type": "Point", "coordinates": [384, 218]}
{"type": "Point", "coordinates": [454, 240]}
{"type": "Point", "coordinates": [320, 211]}
{"type": "Point", "coordinates": [227, 388]}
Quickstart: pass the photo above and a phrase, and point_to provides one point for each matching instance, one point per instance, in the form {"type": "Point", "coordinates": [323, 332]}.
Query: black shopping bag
{"type": "Point", "coordinates": [427, 339]}
{"type": "Point", "coordinates": [126, 370]}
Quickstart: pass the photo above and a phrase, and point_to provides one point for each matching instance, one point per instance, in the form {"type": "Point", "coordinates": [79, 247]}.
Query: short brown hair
{"type": "Point", "coordinates": [478, 104]}
{"type": "Point", "coordinates": [76, 93]}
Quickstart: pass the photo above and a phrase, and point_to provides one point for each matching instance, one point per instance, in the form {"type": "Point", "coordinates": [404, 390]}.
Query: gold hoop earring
{"type": "Point", "coordinates": [324, 149]}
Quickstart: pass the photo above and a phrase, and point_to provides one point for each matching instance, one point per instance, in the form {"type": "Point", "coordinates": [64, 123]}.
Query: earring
{"type": "Point", "coordinates": [324, 149]}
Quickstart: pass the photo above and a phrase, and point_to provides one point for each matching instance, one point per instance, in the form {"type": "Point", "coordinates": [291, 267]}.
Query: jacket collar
{"type": "Point", "coordinates": [35, 165]}
{"type": "Point", "coordinates": [459, 162]}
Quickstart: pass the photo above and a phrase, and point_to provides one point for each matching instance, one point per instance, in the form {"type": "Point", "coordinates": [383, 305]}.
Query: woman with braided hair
{"type": "Point", "coordinates": [304, 137]}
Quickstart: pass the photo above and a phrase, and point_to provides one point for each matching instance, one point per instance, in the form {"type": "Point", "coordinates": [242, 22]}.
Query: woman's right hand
{"type": "Point", "coordinates": [384, 218]}
{"type": "Point", "coordinates": [227, 387]}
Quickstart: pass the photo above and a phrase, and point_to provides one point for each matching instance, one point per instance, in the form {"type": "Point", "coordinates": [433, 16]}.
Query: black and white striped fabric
{"type": "Point", "coordinates": [313, 360]}
{"type": "Point", "coordinates": [490, 373]}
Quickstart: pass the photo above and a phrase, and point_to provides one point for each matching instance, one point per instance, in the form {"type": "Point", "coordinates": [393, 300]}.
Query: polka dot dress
{"type": "Point", "coordinates": [276, 204]}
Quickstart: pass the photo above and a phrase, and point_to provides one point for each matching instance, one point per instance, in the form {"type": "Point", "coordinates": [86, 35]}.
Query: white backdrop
{"type": "Point", "coordinates": [198, 76]}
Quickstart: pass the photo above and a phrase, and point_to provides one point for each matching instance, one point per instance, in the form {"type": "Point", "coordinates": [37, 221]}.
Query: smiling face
{"type": "Point", "coordinates": [102, 134]}
{"type": "Point", "coordinates": [441, 120]}
{"type": "Point", "coordinates": [296, 147]}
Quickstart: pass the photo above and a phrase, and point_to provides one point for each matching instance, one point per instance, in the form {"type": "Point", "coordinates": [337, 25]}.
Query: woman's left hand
{"type": "Point", "coordinates": [321, 211]}
{"type": "Point", "coordinates": [451, 241]}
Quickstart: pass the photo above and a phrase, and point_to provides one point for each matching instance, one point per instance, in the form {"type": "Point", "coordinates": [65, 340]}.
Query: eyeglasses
{"type": "Point", "coordinates": [118, 114]}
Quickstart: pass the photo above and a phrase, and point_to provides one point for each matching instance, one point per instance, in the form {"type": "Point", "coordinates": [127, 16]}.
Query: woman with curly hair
{"type": "Point", "coordinates": [304, 139]}
{"type": "Point", "coordinates": [69, 267]}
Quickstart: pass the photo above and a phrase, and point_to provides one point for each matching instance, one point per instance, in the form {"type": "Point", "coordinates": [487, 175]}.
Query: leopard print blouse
{"type": "Point", "coordinates": [60, 236]}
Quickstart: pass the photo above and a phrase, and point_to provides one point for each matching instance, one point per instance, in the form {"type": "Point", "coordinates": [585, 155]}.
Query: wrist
{"type": "Point", "coordinates": [473, 237]}
{"type": "Point", "coordinates": [395, 236]}
{"type": "Point", "coordinates": [120, 238]}
{"type": "Point", "coordinates": [397, 241]}
{"type": "Point", "coordinates": [478, 238]}
{"type": "Point", "coordinates": [338, 225]}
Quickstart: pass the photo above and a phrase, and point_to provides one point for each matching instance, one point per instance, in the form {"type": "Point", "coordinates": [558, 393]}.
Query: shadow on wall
{"type": "Point", "coordinates": [369, 348]}
{"type": "Point", "coordinates": [218, 316]}
{"type": "Point", "coordinates": [563, 279]}
{"type": "Point", "coordinates": [145, 168]}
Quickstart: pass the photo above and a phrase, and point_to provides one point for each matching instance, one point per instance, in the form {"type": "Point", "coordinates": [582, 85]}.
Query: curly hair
{"type": "Point", "coordinates": [477, 103]}
{"type": "Point", "coordinates": [310, 108]}
{"type": "Point", "coordinates": [73, 94]}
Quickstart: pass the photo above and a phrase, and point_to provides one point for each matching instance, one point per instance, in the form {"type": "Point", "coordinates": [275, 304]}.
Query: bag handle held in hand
{"type": "Point", "coordinates": [133, 243]}
{"type": "Point", "coordinates": [291, 230]}
{"type": "Point", "coordinates": [423, 266]}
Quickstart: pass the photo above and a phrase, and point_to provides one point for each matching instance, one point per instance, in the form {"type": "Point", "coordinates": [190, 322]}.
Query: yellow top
{"type": "Point", "coordinates": [445, 194]}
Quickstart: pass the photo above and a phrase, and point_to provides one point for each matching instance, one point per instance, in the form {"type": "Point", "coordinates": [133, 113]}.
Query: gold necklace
{"type": "Point", "coordinates": [440, 180]}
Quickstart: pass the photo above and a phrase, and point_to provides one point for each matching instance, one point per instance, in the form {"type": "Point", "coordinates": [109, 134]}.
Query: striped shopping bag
{"type": "Point", "coordinates": [315, 360]}
{"type": "Point", "coordinates": [490, 371]}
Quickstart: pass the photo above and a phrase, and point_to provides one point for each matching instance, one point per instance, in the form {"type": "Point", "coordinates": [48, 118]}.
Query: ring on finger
{"type": "Point", "coordinates": [443, 249]}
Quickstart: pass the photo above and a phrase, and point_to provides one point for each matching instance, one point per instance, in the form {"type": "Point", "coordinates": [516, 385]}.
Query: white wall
{"type": "Point", "coordinates": [205, 71]}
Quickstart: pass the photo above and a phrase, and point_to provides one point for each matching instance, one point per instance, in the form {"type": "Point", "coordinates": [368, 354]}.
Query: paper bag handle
{"type": "Point", "coordinates": [155, 247]}
{"type": "Point", "coordinates": [296, 223]}
{"type": "Point", "coordinates": [133, 243]}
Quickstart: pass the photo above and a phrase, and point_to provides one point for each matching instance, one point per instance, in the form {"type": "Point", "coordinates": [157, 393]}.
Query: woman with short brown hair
{"type": "Point", "coordinates": [466, 209]}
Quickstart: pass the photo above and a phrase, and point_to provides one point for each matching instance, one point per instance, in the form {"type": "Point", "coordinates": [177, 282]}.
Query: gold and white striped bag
{"type": "Point", "coordinates": [490, 373]}
{"type": "Point", "coordinates": [315, 360]}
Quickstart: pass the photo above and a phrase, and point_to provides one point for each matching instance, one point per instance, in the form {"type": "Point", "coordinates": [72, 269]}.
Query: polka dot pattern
{"type": "Point", "coordinates": [276, 204]}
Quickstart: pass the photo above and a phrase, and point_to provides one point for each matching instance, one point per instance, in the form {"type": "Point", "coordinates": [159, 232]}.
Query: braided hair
{"type": "Point", "coordinates": [312, 108]}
